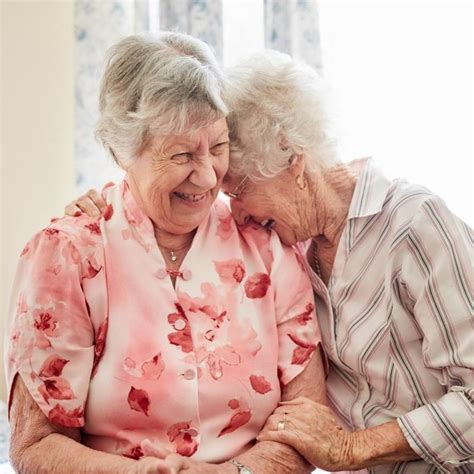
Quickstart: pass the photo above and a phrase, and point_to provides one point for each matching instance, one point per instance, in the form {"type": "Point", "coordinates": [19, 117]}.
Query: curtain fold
{"type": "Point", "coordinates": [292, 26]}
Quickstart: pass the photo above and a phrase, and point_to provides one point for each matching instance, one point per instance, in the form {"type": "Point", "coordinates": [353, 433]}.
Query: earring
{"type": "Point", "coordinates": [301, 182]}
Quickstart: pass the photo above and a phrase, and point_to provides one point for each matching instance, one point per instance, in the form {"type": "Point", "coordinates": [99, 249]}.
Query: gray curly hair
{"type": "Point", "coordinates": [163, 84]}
{"type": "Point", "coordinates": [278, 107]}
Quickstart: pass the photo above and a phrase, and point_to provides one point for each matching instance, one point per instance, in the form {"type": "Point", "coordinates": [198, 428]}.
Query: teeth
{"type": "Point", "coordinates": [191, 197]}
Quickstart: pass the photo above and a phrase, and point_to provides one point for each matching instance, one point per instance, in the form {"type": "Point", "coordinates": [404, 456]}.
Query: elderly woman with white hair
{"type": "Point", "coordinates": [392, 277]}
{"type": "Point", "coordinates": [159, 327]}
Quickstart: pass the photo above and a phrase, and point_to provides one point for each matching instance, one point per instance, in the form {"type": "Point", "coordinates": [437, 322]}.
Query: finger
{"type": "Point", "coordinates": [154, 449]}
{"type": "Point", "coordinates": [87, 206]}
{"type": "Point", "coordinates": [177, 462]}
{"type": "Point", "coordinates": [72, 210]}
{"type": "Point", "coordinates": [97, 199]}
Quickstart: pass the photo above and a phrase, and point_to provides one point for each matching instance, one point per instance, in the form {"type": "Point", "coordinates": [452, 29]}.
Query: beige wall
{"type": "Point", "coordinates": [37, 141]}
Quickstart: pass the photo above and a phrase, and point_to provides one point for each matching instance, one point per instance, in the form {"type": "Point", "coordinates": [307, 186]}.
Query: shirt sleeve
{"type": "Point", "coordinates": [298, 330]}
{"type": "Point", "coordinates": [49, 333]}
{"type": "Point", "coordinates": [437, 271]}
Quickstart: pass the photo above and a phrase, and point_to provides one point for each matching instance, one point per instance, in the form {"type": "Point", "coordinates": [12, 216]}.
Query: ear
{"type": "Point", "coordinates": [297, 164]}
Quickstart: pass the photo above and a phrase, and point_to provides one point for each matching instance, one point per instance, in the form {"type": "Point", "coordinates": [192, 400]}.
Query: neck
{"type": "Point", "coordinates": [175, 242]}
{"type": "Point", "coordinates": [331, 198]}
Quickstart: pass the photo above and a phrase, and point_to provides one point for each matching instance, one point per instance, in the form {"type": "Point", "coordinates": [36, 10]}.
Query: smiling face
{"type": "Point", "coordinates": [176, 178]}
{"type": "Point", "coordinates": [275, 202]}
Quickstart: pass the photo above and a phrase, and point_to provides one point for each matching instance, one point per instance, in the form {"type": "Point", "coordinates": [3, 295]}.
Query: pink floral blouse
{"type": "Point", "coordinates": [105, 343]}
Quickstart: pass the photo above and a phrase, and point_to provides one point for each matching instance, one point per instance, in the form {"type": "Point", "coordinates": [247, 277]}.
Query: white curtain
{"type": "Point", "coordinates": [290, 26]}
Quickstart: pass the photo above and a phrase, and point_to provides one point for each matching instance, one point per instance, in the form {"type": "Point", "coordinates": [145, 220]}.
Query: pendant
{"type": "Point", "coordinates": [173, 257]}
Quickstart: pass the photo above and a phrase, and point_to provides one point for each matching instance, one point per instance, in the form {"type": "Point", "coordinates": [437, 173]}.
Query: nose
{"type": "Point", "coordinates": [204, 175]}
{"type": "Point", "coordinates": [241, 216]}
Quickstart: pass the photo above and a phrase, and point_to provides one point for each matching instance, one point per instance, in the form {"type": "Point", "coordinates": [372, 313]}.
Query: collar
{"type": "Point", "coordinates": [370, 191]}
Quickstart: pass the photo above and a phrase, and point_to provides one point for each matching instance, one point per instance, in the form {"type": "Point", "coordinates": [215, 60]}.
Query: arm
{"type": "Point", "coordinates": [435, 270]}
{"type": "Point", "coordinates": [38, 446]}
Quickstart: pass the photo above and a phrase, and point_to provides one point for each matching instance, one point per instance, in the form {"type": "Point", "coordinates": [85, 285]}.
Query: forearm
{"type": "Point", "coordinates": [378, 445]}
{"type": "Point", "coordinates": [57, 454]}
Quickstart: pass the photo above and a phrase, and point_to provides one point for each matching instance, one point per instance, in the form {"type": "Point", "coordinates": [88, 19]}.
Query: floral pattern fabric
{"type": "Point", "coordinates": [105, 343]}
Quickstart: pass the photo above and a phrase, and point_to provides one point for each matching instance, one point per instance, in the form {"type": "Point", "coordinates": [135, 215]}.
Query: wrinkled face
{"type": "Point", "coordinates": [176, 178]}
{"type": "Point", "coordinates": [275, 203]}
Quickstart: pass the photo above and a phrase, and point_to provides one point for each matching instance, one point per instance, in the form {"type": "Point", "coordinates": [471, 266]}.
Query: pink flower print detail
{"type": "Point", "coordinates": [108, 213]}
{"type": "Point", "coordinates": [212, 312]}
{"type": "Point", "coordinates": [182, 434]}
{"type": "Point", "coordinates": [94, 228]}
{"type": "Point", "coordinates": [182, 336]}
{"type": "Point", "coordinates": [93, 268]}
{"type": "Point", "coordinates": [44, 321]}
{"type": "Point", "coordinates": [52, 367]}
{"type": "Point", "coordinates": [70, 418]}
{"type": "Point", "coordinates": [150, 369]}
{"type": "Point", "coordinates": [57, 388]}
{"type": "Point", "coordinates": [303, 352]}
{"type": "Point", "coordinates": [134, 453]}
{"type": "Point", "coordinates": [304, 317]}
{"type": "Point", "coordinates": [238, 419]}
{"type": "Point", "coordinates": [138, 400]}
{"type": "Point", "coordinates": [260, 384]}
{"type": "Point", "coordinates": [224, 228]}
{"type": "Point", "coordinates": [99, 344]}
{"type": "Point", "coordinates": [230, 271]}
{"type": "Point", "coordinates": [50, 233]}
{"type": "Point", "coordinates": [214, 359]}
{"type": "Point", "coordinates": [257, 285]}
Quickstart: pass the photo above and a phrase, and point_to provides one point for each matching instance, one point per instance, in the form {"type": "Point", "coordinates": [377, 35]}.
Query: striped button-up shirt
{"type": "Point", "coordinates": [397, 322]}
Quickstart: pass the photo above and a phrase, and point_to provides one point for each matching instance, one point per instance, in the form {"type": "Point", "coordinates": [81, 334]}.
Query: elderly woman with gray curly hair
{"type": "Point", "coordinates": [391, 273]}
{"type": "Point", "coordinates": [158, 337]}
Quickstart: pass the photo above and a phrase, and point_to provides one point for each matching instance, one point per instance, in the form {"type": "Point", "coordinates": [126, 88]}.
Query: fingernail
{"type": "Point", "coordinates": [77, 213]}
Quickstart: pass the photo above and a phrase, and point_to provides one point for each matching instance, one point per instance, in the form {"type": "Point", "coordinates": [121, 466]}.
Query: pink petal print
{"type": "Point", "coordinates": [99, 344]}
{"type": "Point", "coordinates": [59, 389]}
{"type": "Point", "coordinates": [153, 368]}
{"type": "Point", "coordinates": [94, 228]}
{"type": "Point", "coordinates": [50, 233]}
{"type": "Point", "coordinates": [53, 366]}
{"type": "Point", "coordinates": [304, 317]}
{"type": "Point", "coordinates": [234, 404]}
{"type": "Point", "coordinates": [25, 251]}
{"type": "Point", "coordinates": [230, 271]}
{"type": "Point", "coordinates": [303, 352]}
{"type": "Point", "coordinates": [138, 400]}
{"type": "Point", "coordinates": [109, 212]}
{"type": "Point", "coordinates": [260, 384]}
{"type": "Point", "coordinates": [181, 337]}
{"type": "Point", "coordinates": [181, 434]}
{"type": "Point", "coordinates": [134, 453]}
{"type": "Point", "coordinates": [238, 419]}
{"type": "Point", "coordinates": [257, 285]}
{"type": "Point", "coordinates": [228, 355]}
{"type": "Point", "coordinates": [71, 418]}
{"type": "Point", "coordinates": [45, 322]}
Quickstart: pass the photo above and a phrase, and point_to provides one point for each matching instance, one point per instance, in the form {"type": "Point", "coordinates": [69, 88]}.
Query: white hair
{"type": "Point", "coordinates": [278, 107]}
{"type": "Point", "coordinates": [156, 84]}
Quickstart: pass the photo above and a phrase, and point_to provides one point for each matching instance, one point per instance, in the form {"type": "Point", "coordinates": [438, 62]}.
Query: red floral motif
{"type": "Point", "coordinates": [70, 418]}
{"type": "Point", "coordinates": [134, 453]}
{"type": "Point", "coordinates": [58, 388]}
{"type": "Point", "coordinates": [224, 229]}
{"type": "Point", "coordinates": [212, 312]}
{"type": "Point", "coordinates": [52, 367]}
{"type": "Point", "coordinates": [237, 420]}
{"type": "Point", "coordinates": [222, 355]}
{"type": "Point", "coordinates": [182, 434]}
{"type": "Point", "coordinates": [94, 228]}
{"type": "Point", "coordinates": [138, 400]}
{"type": "Point", "coordinates": [50, 233]}
{"type": "Point", "coordinates": [109, 212]}
{"type": "Point", "coordinates": [303, 352]}
{"type": "Point", "coordinates": [150, 369]}
{"type": "Point", "coordinates": [304, 317]}
{"type": "Point", "coordinates": [99, 344]}
{"type": "Point", "coordinates": [230, 271]}
{"type": "Point", "coordinates": [182, 337]}
{"type": "Point", "coordinates": [45, 322]}
{"type": "Point", "coordinates": [260, 384]}
{"type": "Point", "coordinates": [257, 285]}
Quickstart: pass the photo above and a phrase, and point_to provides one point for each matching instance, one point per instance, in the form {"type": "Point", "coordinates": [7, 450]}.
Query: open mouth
{"type": "Point", "coordinates": [190, 197]}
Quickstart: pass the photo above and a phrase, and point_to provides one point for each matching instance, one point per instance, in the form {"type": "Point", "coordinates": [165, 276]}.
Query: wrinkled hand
{"type": "Point", "coordinates": [171, 464]}
{"type": "Point", "coordinates": [311, 429]}
{"type": "Point", "coordinates": [92, 203]}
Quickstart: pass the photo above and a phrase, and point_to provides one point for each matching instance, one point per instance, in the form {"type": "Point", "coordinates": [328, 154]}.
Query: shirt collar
{"type": "Point", "coordinates": [370, 191]}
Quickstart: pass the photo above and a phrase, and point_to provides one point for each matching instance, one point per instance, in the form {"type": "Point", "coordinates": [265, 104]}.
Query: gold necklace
{"type": "Point", "coordinates": [172, 252]}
